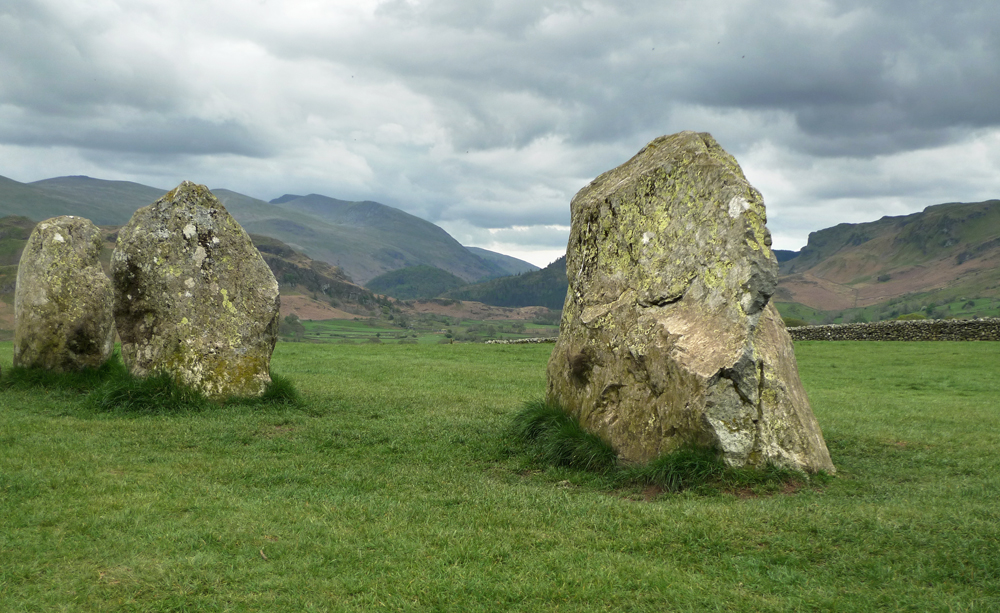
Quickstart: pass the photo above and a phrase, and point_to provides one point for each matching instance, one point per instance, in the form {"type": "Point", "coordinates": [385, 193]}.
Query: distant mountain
{"type": "Point", "coordinates": [944, 261]}
{"type": "Point", "coordinates": [930, 261]}
{"type": "Point", "coordinates": [948, 252]}
{"type": "Point", "coordinates": [297, 273]}
{"type": "Point", "coordinates": [510, 265]}
{"type": "Point", "coordinates": [415, 282]}
{"type": "Point", "coordinates": [783, 255]}
{"type": "Point", "coordinates": [107, 203]}
{"type": "Point", "coordinates": [35, 202]}
{"type": "Point", "coordinates": [365, 239]}
{"type": "Point", "coordinates": [379, 238]}
{"type": "Point", "coordinates": [546, 287]}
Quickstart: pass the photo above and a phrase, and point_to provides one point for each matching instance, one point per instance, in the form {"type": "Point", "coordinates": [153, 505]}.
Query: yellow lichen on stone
{"type": "Point", "coordinates": [670, 274]}
{"type": "Point", "coordinates": [62, 299]}
{"type": "Point", "coordinates": [210, 323]}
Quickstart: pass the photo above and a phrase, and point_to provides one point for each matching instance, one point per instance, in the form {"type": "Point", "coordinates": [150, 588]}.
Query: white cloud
{"type": "Point", "coordinates": [485, 115]}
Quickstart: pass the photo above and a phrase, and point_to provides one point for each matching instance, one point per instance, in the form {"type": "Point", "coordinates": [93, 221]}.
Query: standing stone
{"type": "Point", "coordinates": [193, 296]}
{"type": "Point", "coordinates": [668, 338]}
{"type": "Point", "coordinates": [62, 300]}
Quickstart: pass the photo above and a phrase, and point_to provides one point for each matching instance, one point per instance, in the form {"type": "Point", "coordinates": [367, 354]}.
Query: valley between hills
{"type": "Point", "coordinates": [340, 260]}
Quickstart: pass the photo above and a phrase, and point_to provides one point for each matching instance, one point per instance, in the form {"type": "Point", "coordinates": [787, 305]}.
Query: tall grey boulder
{"type": "Point", "coordinates": [668, 337]}
{"type": "Point", "coordinates": [193, 296]}
{"type": "Point", "coordinates": [62, 300]}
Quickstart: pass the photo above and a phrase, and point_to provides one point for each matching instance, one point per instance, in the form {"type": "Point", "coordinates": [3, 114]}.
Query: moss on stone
{"type": "Point", "coordinates": [62, 301]}
{"type": "Point", "coordinates": [670, 273]}
{"type": "Point", "coordinates": [208, 322]}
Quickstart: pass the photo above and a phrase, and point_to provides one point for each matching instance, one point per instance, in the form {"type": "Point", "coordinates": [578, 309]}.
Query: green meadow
{"type": "Point", "coordinates": [395, 484]}
{"type": "Point", "coordinates": [425, 330]}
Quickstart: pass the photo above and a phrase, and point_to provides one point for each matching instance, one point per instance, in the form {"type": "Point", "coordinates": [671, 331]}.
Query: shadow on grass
{"type": "Point", "coordinates": [112, 388]}
{"type": "Point", "coordinates": [80, 381]}
{"type": "Point", "coordinates": [551, 437]}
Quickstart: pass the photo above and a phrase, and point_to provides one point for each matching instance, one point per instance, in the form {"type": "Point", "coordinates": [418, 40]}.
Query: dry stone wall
{"type": "Point", "coordinates": [910, 330]}
{"type": "Point", "coordinates": [987, 329]}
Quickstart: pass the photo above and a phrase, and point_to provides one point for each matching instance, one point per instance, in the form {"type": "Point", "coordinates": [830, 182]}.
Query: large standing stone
{"type": "Point", "coordinates": [193, 296]}
{"type": "Point", "coordinates": [667, 337]}
{"type": "Point", "coordinates": [62, 300]}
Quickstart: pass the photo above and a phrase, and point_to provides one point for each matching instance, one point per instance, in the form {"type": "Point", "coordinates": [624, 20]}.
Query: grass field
{"type": "Point", "coordinates": [395, 486]}
{"type": "Point", "coordinates": [935, 305]}
{"type": "Point", "coordinates": [422, 331]}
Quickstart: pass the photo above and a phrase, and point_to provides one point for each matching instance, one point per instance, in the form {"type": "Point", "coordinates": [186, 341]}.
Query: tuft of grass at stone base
{"type": "Point", "coordinates": [80, 381]}
{"type": "Point", "coordinates": [158, 393]}
{"type": "Point", "coordinates": [549, 436]}
{"type": "Point", "coordinates": [280, 391]}
{"type": "Point", "coordinates": [683, 469]}
{"type": "Point", "coordinates": [112, 388]}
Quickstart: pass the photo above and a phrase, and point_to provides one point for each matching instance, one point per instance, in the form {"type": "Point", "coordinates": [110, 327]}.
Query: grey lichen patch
{"type": "Point", "coordinates": [193, 296]}
{"type": "Point", "coordinates": [668, 337]}
{"type": "Point", "coordinates": [63, 299]}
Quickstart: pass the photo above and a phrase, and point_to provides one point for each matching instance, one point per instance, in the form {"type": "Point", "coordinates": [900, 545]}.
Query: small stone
{"type": "Point", "coordinates": [193, 296]}
{"type": "Point", "coordinates": [668, 338]}
{"type": "Point", "coordinates": [63, 300]}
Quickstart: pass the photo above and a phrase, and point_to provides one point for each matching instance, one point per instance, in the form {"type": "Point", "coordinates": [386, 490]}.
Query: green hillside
{"type": "Point", "coordinates": [340, 246]}
{"type": "Point", "coordinates": [107, 203]}
{"type": "Point", "coordinates": [943, 262]}
{"type": "Point", "coordinates": [297, 272]}
{"type": "Point", "coordinates": [954, 230]}
{"type": "Point", "coordinates": [380, 238]}
{"type": "Point", "coordinates": [36, 203]}
{"type": "Point", "coordinates": [510, 265]}
{"type": "Point", "coordinates": [546, 287]}
{"type": "Point", "coordinates": [415, 282]}
{"type": "Point", "coordinates": [364, 239]}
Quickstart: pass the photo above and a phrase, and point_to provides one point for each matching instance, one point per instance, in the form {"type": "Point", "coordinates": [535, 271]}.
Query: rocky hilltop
{"type": "Point", "coordinates": [945, 253]}
{"type": "Point", "coordinates": [945, 259]}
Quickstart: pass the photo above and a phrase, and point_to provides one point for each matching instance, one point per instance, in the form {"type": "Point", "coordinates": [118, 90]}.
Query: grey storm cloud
{"type": "Point", "coordinates": [150, 135]}
{"type": "Point", "coordinates": [490, 114]}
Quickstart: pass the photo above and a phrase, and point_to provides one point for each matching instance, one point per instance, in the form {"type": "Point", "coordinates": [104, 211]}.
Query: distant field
{"type": "Point", "coordinates": [949, 307]}
{"type": "Point", "coordinates": [395, 487]}
{"type": "Point", "coordinates": [423, 332]}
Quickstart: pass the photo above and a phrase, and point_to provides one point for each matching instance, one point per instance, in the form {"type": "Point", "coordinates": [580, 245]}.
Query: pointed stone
{"type": "Point", "coordinates": [193, 296]}
{"type": "Point", "coordinates": [668, 337]}
{"type": "Point", "coordinates": [62, 300]}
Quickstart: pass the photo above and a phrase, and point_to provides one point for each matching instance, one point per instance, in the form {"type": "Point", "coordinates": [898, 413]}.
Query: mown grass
{"type": "Point", "coordinates": [425, 330]}
{"type": "Point", "coordinates": [396, 484]}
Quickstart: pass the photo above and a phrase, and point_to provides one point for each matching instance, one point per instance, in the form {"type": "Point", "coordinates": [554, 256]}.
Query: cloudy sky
{"type": "Point", "coordinates": [485, 117]}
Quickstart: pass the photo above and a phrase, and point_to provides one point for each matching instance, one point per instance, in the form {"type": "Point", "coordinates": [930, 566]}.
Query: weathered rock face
{"type": "Point", "coordinates": [62, 300]}
{"type": "Point", "coordinates": [193, 296]}
{"type": "Point", "coordinates": [668, 337]}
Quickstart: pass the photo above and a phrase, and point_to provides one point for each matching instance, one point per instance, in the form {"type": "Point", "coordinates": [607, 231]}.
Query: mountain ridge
{"type": "Point", "coordinates": [948, 250]}
{"type": "Point", "coordinates": [370, 239]}
{"type": "Point", "coordinates": [944, 260]}
{"type": "Point", "coordinates": [947, 253]}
